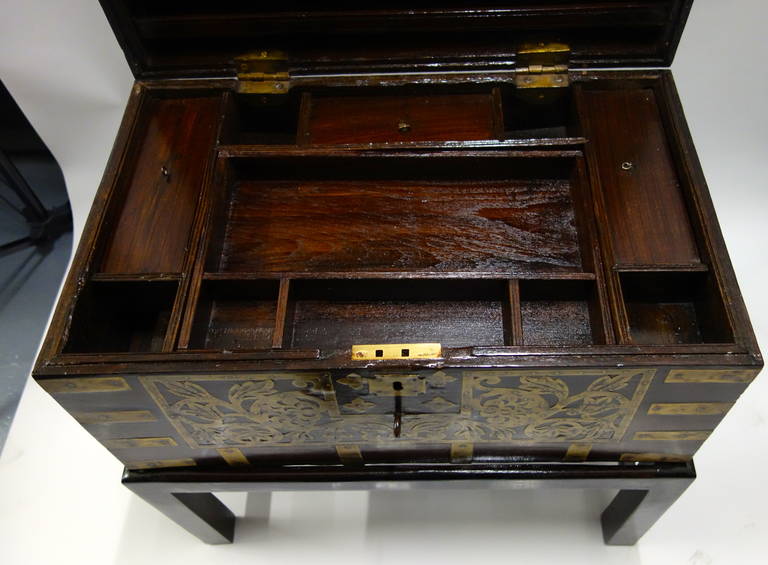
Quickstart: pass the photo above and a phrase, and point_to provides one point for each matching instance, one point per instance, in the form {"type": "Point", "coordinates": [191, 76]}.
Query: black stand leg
{"type": "Point", "coordinates": [184, 495]}
{"type": "Point", "coordinates": [632, 512]}
{"type": "Point", "coordinates": [200, 513]}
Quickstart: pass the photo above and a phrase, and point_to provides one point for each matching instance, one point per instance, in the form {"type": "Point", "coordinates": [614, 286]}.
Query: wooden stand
{"type": "Point", "coordinates": [646, 490]}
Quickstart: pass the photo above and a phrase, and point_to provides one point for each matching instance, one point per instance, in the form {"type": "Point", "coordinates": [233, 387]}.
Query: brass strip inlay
{"type": "Point", "coordinates": [462, 451]}
{"type": "Point", "coordinates": [115, 417]}
{"type": "Point", "coordinates": [382, 351]}
{"type": "Point", "coordinates": [128, 443]}
{"type": "Point", "coordinates": [693, 435]}
{"type": "Point", "coordinates": [689, 408]}
{"type": "Point", "coordinates": [349, 454]}
{"type": "Point", "coordinates": [159, 464]}
{"type": "Point", "coordinates": [653, 457]}
{"type": "Point", "coordinates": [578, 452]}
{"type": "Point", "coordinates": [85, 384]}
{"type": "Point", "coordinates": [711, 375]}
{"type": "Point", "coordinates": [233, 456]}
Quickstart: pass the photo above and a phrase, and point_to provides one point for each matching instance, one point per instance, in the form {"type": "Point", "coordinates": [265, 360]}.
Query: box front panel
{"type": "Point", "coordinates": [451, 415]}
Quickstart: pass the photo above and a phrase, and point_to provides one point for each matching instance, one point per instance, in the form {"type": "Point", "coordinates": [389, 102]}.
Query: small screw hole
{"type": "Point", "coordinates": [405, 352]}
{"type": "Point", "coordinates": [397, 385]}
{"type": "Point", "coordinates": [379, 353]}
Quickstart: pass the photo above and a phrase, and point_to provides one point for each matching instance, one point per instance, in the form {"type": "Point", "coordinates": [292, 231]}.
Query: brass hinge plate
{"type": "Point", "coordinates": [381, 351]}
{"type": "Point", "coordinates": [263, 72]}
{"type": "Point", "coordinates": [542, 65]}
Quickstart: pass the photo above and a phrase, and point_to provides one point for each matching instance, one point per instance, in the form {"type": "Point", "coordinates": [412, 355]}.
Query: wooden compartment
{"type": "Point", "coordinates": [233, 315]}
{"type": "Point", "coordinates": [560, 313]}
{"type": "Point", "coordinates": [532, 115]}
{"type": "Point", "coordinates": [449, 214]}
{"type": "Point", "coordinates": [674, 308]}
{"type": "Point", "coordinates": [262, 120]}
{"type": "Point", "coordinates": [124, 316]}
{"type": "Point", "coordinates": [336, 314]}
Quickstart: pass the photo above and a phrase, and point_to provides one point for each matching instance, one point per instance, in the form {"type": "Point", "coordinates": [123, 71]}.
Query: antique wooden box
{"type": "Point", "coordinates": [400, 232]}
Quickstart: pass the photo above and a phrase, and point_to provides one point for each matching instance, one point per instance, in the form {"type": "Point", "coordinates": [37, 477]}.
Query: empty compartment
{"type": "Point", "coordinates": [119, 317]}
{"type": "Point", "coordinates": [558, 313]}
{"type": "Point", "coordinates": [262, 120]}
{"type": "Point", "coordinates": [674, 308]}
{"type": "Point", "coordinates": [538, 113]}
{"type": "Point", "coordinates": [235, 315]}
{"type": "Point", "coordinates": [336, 314]}
{"type": "Point", "coordinates": [445, 214]}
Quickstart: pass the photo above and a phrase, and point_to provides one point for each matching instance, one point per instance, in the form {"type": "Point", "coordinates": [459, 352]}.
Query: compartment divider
{"type": "Point", "coordinates": [283, 314]}
{"type": "Point", "coordinates": [199, 250]}
{"type": "Point", "coordinates": [611, 299]}
{"type": "Point", "coordinates": [513, 318]}
{"type": "Point", "coordinates": [302, 128]}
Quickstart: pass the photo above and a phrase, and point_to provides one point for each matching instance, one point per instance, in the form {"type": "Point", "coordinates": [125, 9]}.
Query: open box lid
{"type": "Point", "coordinates": [195, 38]}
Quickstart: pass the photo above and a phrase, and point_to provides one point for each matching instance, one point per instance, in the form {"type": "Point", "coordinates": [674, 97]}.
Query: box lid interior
{"type": "Point", "coordinates": [188, 38]}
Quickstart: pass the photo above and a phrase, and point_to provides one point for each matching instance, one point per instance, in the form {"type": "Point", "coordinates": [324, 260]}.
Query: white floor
{"type": "Point", "coordinates": [60, 497]}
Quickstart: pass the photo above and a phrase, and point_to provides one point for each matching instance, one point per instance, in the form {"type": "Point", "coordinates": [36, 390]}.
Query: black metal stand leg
{"type": "Point", "coordinates": [200, 513]}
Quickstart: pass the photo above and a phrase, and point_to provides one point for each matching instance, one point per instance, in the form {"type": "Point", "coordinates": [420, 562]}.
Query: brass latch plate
{"type": "Point", "coordinates": [263, 72]}
{"type": "Point", "coordinates": [542, 65]}
{"type": "Point", "coordinates": [376, 352]}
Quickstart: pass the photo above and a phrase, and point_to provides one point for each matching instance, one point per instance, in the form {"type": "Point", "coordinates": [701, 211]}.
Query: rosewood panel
{"type": "Point", "coordinates": [393, 117]}
{"type": "Point", "coordinates": [647, 218]}
{"type": "Point", "coordinates": [154, 209]}
{"type": "Point", "coordinates": [464, 225]}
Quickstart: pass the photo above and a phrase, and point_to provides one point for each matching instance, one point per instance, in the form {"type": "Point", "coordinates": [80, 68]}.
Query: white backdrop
{"type": "Point", "coordinates": [60, 497]}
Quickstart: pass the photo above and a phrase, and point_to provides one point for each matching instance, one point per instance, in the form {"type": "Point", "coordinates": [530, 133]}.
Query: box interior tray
{"type": "Point", "coordinates": [402, 215]}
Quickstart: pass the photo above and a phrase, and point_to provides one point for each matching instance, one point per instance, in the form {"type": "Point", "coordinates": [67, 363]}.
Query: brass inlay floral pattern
{"type": "Point", "coordinates": [509, 406]}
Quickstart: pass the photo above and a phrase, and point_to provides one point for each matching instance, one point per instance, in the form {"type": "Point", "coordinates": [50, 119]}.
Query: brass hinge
{"type": "Point", "coordinates": [263, 72]}
{"type": "Point", "coordinates": [542, 65]}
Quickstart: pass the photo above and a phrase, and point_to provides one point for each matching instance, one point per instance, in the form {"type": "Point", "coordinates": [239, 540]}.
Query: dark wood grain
{"type": "Point", "coordinates": [177, 139]}
{"type": "Point", "coordinates": [172, 39]}
{"type": "Point", "coordinates": [391, 117]}
{"type": "Point", "coordinates": [648, 219]}
{"type": "Point", "coordinates": [334, 315]}
{"type": "Point", "coordinates": [402, 226]}
{"type": "Point", "coordinates": [235, 315]}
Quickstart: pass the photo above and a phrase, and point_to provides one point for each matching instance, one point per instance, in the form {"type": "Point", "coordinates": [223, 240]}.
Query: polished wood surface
{"type": "Point", "coordinates": [367, 225]}
{"type": "Point", "coordinates": [164, 182]}
{"type": "Point", "coordinates": [647, 217]}
{"type": "Point", "coordinates": [399, 117]}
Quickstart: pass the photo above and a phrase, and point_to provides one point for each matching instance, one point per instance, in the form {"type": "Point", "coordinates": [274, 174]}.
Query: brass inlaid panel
{"type": "Point", "coordinates": [711, 375]}
{"type": "Point", "coordinates": [129, 443]}
{"type": "Point", "coordinates": [233, 456]}
{"type": "Point", "coordinates": [85, 384]}
{"type": "Point", "coordinates": [349, 454]}
{"type": "Point", "coordinates": [115, 417]}
{"type": "Point", "coordinates": [578, 452]}
{"type": "Point", "coordinates": [462, 451]}
{"type": "Point", "coordinates": [511, 406]}
{"type": "Point", "coordinates": [689, 408]}
{"type": "Point", "coordinates": [677, 435]}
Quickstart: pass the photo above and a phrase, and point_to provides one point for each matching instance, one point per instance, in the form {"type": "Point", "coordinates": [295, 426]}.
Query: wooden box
{"type": "Point", "coordinates": [432, 232]}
